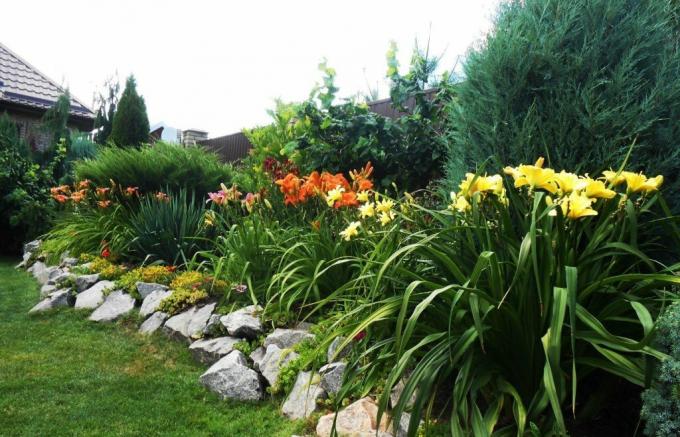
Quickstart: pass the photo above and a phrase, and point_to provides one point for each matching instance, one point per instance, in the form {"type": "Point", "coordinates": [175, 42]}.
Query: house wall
{"type": "Point", "coordinates": [30, 129]}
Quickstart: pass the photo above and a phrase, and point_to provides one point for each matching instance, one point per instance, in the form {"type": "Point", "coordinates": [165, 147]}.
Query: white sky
{"type": "Point", "coordinates": [218, 66]}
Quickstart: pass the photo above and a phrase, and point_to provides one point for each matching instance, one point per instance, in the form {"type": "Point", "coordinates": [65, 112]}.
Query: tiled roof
{"type": "Point", "coordinates": [23, 84]}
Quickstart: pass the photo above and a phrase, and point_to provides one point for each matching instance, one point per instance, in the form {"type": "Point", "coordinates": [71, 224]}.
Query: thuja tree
{"type": "Point", "coordinates": [576, 81]}
{"type": "Point", "coordinates": [130, 123]}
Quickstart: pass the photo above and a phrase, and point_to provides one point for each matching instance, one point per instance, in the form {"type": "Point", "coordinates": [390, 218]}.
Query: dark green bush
{"type": "Point", "coordinates": [575, 81]}
{"type": "Point", "coordinates": [168, 230]}
{"type": "Point", "coordinates": [130, 122]}
{"type": "Point", "coordinates": [156, 167]}
{"type": "Point", "coordinates": [661, 402]}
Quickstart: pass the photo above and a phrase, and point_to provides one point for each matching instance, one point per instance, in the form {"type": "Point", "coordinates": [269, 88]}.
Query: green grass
{"type": "Point", "coordinates": [63, 375]}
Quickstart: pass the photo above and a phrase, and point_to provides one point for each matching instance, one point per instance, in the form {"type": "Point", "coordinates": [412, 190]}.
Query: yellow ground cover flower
{"type": "Point", "coordinates": [352, 230]}
{"type": "Point", "coordinates": [367, 210]}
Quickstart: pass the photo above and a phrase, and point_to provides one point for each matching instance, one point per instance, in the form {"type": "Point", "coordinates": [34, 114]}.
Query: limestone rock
{"type": "Point", "coordinates": [396, 392]}
{"type": "Point", "coordinates": [58, 276]}
{"type": "Point", "coordinates": [333, 350]}
{"type": "Point", "coordinates": [301, 401]}
{"type": "Point", "coordinates": [54, 300]}
{"type": "Point", "coordinates": [93, 296]}
{"type": "Point", "coordinates": [359, 419]}
{"type": "Point", "coordinates": [243, 323]}
{"type": "Point", "coordinates": [214, 327]}
{"type": "Point", "coordinates": [41, 272]}
{"type": "Point", "coordinates": [46, 289]}
{"type": "Point", "coordinates": [83, 282]}
{"type": "Point", "coordinates": [331, 376]}
{"type": "Point", "coordinates": [153, 323]}
{"type": "Point", "coordinates": [32, 246]}
{"type": "Point", "coordinates": [146, 288]}
{"type": "Point", "coordinates": [287, 338]}
{"type": "Point", "coordinates": [209, 351]}
{"type": "Point", "coordinates": [232, 379]}
{"type": "Point", "coordinates": [152, 301]}
{"type": "Point", "coordinates": [257, 356]}
{"type": "Point", "coordinates": [117, 304]}
{"type": "Point", "coordinates": [69, 262]}
{"type": "Point", "coordinates": [189, 324]}
{"type": "Point", "coordinates": [272, 362]}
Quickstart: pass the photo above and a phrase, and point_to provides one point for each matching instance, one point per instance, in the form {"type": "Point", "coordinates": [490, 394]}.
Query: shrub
{"type": "Point", "coordinates": [158, 167]}
{"type": "Point", "coordinates": [130, 122]}
{"type": "Point", "coordinates": [577, 81]}
{"type": "Point", "coordinates": [167, 229]}
{"type": "Point", "coordinates": [661, 402]}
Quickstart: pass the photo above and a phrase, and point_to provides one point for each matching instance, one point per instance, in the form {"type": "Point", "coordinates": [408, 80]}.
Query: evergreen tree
{"type": "Point", "coordinates": [130, 123]}
{"type": "Point", "coordinates": [575, 81]}
{"type": "Point", "coordinates": [106, 110]}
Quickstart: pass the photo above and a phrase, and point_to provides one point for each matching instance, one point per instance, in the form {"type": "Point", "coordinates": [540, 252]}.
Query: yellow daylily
{"type": "Point", "coordinates": [352, 230]}
{"type": "Point", "coordinates": [568, 182]}
{"type": "Point", "coordinates": [597, 189]}
{"type": "Point", "coordinates": [334, 195]}
{"type": "Point", "coordinates": [384, 206]}
{"type": "Point", "coordinates": [638, 182]}
{"type": "Point", "coordinates": [386, 217]}
{"type": "Point", "coordinates": [481, 184]}
{"type": "Point", "coordinates": [367, 210]}
{"type": "Point", "coordinates": [534, 176]}
{"type": "Point", "coordinates": [613, 177]}
{"type": "Point", "coordinates": [575, 206]}
{"type": "Point", "coordinates": [459, 203]}
{"type": "Point", "coordinates": [362, 196]}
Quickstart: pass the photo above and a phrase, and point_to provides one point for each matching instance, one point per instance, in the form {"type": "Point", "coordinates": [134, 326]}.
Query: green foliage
{"type": "Point", "coordinates": [167, 230]}
{"type": "Point", "coordinates": [181, 299]}
{"type": "Point", "coordinates": [25, 203]}
{"type": "Point", "coordinates": [130, 122]}
{"type": "Point", "coordinates": [406, 150]}
{"type": "Point", "coordinates": [106, 111]}
{"type": "Point", "coordinates": [661, 402]}
{"type": "Point", "coordinates": [55, 120]}
{"type": "Point", "coordinates": [157, 167]}
{"type": "Point", "coordinates": [577, 82]}
{"type": "Point", "coordinates": [80, 147]}
{"type": "Point", "coordinates": [155, 274]}
{"type": "Point", "coordinates": [190, 288]}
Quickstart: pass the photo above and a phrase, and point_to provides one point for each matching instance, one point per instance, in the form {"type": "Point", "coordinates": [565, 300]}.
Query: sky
{"type": "Point", "coordinates": [219, 65]}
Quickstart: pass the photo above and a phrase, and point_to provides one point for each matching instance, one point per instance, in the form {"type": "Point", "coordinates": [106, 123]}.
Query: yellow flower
{"type": "Point", "coordinates": [614, 178]}
{"type": "Point", "coordinates": [638, 182]}
{"type": "Point", "coordinates": [334, 195]}
{"type": "Point", "coordinates": [362, 196]}
{"type": "Point", "coordinates": [568, 182]}
{"type": "Point", "coordinates": [352, 230]}
{"type": "Point", "coordinates": [575, 206]}
{"type": "Point", "coordinates": [535, 176]}
{"type": "Point", "coordinates": [209, 219]}
{"type": "Point", "coordinates": [367, 210]}
{"type": "Point", "coordinates": [598, 190]}
{"type": "Point", "coordinates": [481, 184]}
{"type": "Point", "coordinates": [459, 203]}
{"type": "Point", "coordinates": [386, 217]}
{"type": "Point", "coordinates": [384, 206]}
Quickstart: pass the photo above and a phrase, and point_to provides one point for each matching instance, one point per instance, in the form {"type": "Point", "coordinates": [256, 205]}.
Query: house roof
{"type": "Point", "coordinates": [24, 85]}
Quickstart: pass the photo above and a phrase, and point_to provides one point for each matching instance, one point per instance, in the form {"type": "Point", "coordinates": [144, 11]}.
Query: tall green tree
{"type": "Point", "coordinates": [575, 81]}
{"type": "Point", "coordinates": [106, 102]}
{"type": "Point", "coordinates": [130, 124]}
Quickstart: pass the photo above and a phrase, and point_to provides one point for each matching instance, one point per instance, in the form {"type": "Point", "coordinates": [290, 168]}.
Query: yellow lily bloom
{"type": "Point", "coordinates": [334, 195]}
{"type": "Point", "coordinates": [384, 206]}
{"type": "Point", "coordinates": [614, 178]}
{"type": "Point", "coordinates": [638, 182]}
{"type": "Point", "coordinates": [534, 176]}
{"type": "Point", "coordinates": [386, 217]}
{"type": "Point", "coordinates": [362, 196]}
{"type": "Point", "coordinates": [481, 184]}
{"type": "Point", "coordinates": [367, 210]}
{"type": "Point", "coordinates": [352, 230]}
{"type": "Point", "coordinates": [575, 206]}
{"type": "Point", "coordinates": [568, 182]}
{"type": "Point", "coordinates": [598, 190]}
{"type": "Point", "coordinates": [458, 203]}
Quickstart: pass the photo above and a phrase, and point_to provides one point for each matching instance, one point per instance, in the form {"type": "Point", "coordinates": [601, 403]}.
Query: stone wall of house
{"type": "Point", "coordinates": [30, 129]}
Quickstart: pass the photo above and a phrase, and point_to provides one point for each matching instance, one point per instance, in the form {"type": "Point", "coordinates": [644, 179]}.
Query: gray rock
{"type": "Point", "coordinates": [21, 265]}
{"type": "Point", "coordinates": [302, 400]}
{"type": "Point", "coordinates": [58, 276]}
{"type": "Point", "coordinates": [272, 362]}
{"type": "Point", "coordinates": [93, 296]}
{"type": "Point", "coordinates": [359, 419]}
{"type": "Point", "coordinates": [243, 323]}
{"type": "Point", "coordinates": [152, 301]}
{"type": "Point", "coordinates": [214, 327]}
{"type": "Point", "coordinates": [189, 324]}
{"type": "Point", "coordinates": [83, 282]}
{"type": "Point", "coordinates": [333, 354]}
{"type": "Point", "coordinates": [46, 289]}
{"type": "Point", "coordinates": [331, 376]}
{"type": "Point", "coordinates": [117, 304]}
{"type": "Point", "coordinates": [41, 272]}
{"type": "Point", "coordinates": [146, 288]}
{"type": "Point", "coordinates": [287, 338]}
{"type": "Point", "coordinates": [153, 323]}
{"type": "Point", "coordinates": [32, 246]}
{"type": "Point", "coordinates": [87, 266]}
{"type": "Point", "coordinates": [209, 351]}
{"type": "Point", "coordinates": [232, 379]}
{"type": "Point", "coordinates": [404, 423]}
{"type": "Point", "coordinates": [257, 356]}
{"type": "Point", "coordinates": [397, 391]}
{"type": "Point", "coordinates": [54, 300]}
{"type": "Point", "coordinates": [69, 262]}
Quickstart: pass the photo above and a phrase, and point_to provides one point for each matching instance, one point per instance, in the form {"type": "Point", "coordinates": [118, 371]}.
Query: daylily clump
{"type": "Point", "coordinates": [81, 191]}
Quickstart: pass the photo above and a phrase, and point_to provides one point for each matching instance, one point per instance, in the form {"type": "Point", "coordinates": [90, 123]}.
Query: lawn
{"type": "Point", "coordinates": [63, 375]}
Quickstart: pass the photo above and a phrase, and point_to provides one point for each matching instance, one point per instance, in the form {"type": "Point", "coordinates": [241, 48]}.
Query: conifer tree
{"type": "Point", "coordinates": [130, 123]}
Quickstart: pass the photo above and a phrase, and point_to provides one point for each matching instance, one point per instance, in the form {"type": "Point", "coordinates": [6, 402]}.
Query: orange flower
{"type": "Point", "coordinates": [290, 187]}
{"type": "Point", "coordinates": [102, 192]}
{"type": "Point", "coordinates": [104, 203]}
{"type": "Point", "coordinates": [348, 199]}
{"type": "Point", "coordinates": [78, 196]}
{"type": "Point", "coordinates": [84, 184]}
{"type": "Point", "coordinates": [60, 198]}
{"type": "Point", "coordinates": [361, 178]}
{"type": "Point", "coordinates": [162, 197]}
{"type": "Point", "coordinates": [132, 191]}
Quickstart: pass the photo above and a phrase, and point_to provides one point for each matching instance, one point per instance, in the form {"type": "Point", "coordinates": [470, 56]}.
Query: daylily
{"type": "Point", "coordinates": [162, 197]}
{"type": "Point", "coordinates": [638, 182]}
{"type": "Point", "coordinates": [575, 206]}
{"type": "Point", "coordinates": [386, 217]}
{"type": "Point", "coordinates": [534, 176]}
{"type": "Point", "coordinates": [78, 196]}
{"type": "Point", "coordinates": [334, 195]}
{"type": "Point", "coordinates": [598, 189]}
{"type": "Point", "coordinates": [481, 184]}
{"type": "Point", "coordinates": [568, 182]}
{"type": "Point", "coordinates": [384, 206]}
{"type": "Point", "coordinates": [613, 177]}
{"type": "Point", "coordinates": [352, 230]}
{"type": "Point", "coordinates": [367, 210]}
{"type": "Point", "coordinates": [85, 183]}
{"type": "Point", "coordinates": [104, 203]}
{"type": "Point", "coordinates": [362, 196]}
